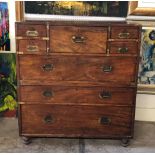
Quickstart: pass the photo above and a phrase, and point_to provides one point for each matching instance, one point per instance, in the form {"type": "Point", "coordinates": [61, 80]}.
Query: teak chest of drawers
{"type": "Point", "coordinates": [77, 79]}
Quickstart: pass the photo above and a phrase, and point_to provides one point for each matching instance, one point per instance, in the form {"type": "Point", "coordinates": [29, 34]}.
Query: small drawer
{"type": "Point", "coordinates": [77, 95]}
{"type": "Point", "coordinates": [73, 120]}
{"type": "Point", "coordinates": [32, 46]}
{"type": "Point", "coordinates": [70, 39]}
{"type": "Point", "coordinates": [117, 47]}
{"type": "Point", "coordinates": [124, 32]}
{"type": "Point", "coordinates": [28, 30]}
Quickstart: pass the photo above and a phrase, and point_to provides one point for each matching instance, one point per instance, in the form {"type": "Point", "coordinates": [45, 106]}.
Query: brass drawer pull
{"type": "Point", "coordinates": [123, 35]}
{"type": "Point", "coordinates": [48, 119]}
{"type": "Point", "coordinates": [48, 67]}
{"type": "Point", "coordinates": [123, 50]}
{"type": "Point", "coordinates": [105, 95]}
{"type": "Point", "coordinates": [48, 93]}
{"type": "Point", "coordinates": [78, 39]}
{"type": "Point", "coordinates": [32, 33]}
{"type": "Point", "coordinates": [105, 120]}
{"type": "Point", "coordinates": [107, 68]}
{"type": "Point", "coordinates": [31, 48]}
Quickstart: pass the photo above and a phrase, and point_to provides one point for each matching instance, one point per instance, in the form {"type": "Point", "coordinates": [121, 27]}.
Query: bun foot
{"type": "Point", "coordinates": [26, 140]}
{"type": "Point", "coordinates": [125, 142]}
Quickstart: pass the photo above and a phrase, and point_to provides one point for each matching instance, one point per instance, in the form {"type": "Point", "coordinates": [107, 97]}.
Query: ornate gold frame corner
{"type": "Point", "coordinates": [133, 9]}
{"type": "Point", "coordinates": [146, 89]}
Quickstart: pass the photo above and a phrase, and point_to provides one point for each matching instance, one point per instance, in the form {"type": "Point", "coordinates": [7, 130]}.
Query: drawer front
{"type": "Point", "coordinates": [71, 121]}
{"type": "Point", "coordinates": [76, 95]}
{"type": "Point", "coordinates": [77, 68]}
{"type": "Point", "coordinates": [78, 39]}
{"type": "Point", "coordinates": [32, 46]}
{"type": "Point", "coordinates": [117, 47]}
{"type": "Point", "coordinates": [28, 30]}
{"type": "Point", "coordinates": [124, 32]}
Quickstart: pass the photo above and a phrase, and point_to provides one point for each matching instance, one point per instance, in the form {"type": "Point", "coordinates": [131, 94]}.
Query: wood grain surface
{"type": "Point", "coordinates": [86, 40]}
{"type": "Point", "coordinates": [77, 95]}
{"type": "Point", "coordinates": [78, 68]}
{"type": "Point", "coordinates": [79, 79]}
{"type": "Point", "coordinates": [133, 32]}
{"type": "Point", "coordinates": [76, 121]}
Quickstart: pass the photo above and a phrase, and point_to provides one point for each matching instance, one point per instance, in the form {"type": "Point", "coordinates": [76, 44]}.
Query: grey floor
{"type": "Point", "coordinates": [144, 141]}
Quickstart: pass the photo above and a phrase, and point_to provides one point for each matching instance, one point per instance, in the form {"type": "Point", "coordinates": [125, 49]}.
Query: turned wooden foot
{"type": "Point", "coordinates": [26, 140]}
{"type": "Point", "coordinates": [125, 142]}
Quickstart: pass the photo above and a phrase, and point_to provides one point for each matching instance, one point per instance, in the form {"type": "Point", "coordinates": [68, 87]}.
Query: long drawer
{"type": "Point", "coordinates": [78, 68]}
{"type": "Point", "coordinates": [76, 95]}
{"type": "Point", "coordinates": [79, 121]}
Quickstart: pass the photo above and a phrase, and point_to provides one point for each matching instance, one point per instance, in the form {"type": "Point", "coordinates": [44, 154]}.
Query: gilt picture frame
{"type": "Point", "coordinates": [19, 7]}
{"type": "Point", "coordinates": [143, 8]}
{"type": "Point", "coordinates": [22, 14]}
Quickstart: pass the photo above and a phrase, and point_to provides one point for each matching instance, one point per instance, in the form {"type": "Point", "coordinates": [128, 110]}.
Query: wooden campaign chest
{"type": "Point", "coordinates": [77, 79]}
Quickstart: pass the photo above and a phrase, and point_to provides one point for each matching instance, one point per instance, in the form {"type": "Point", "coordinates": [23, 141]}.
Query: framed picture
{"type": "Point", "coordinates": [142, 8]}
{"type": "Point", "coordinates": [72, 10]}
{"type": "Point", "coordinates": [8, 85]}
{"type": "Point", "coordinates": [146, 76]}
{"type": "Point", "coordinates": [7, 26]}
{"type": "Point", "coordinates": [4, 27]}
{"type": "Point", "coordinates": [8, 102]}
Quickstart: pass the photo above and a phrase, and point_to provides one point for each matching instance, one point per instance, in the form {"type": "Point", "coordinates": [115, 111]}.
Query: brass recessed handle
{"type": "Point", "coordinates": [48, 119]}
{"type": "Point", "coordinates": [31, 48]}
{"type": "Point", "coordinates": [32, 33]}
{"type": "Point", "coordinates": [105, 120]}
{"type": "Point", "coordinates": [78, 39]}
{"type": "Point", "coordinates": [123, 50]}
{"type": "Point", "coordinates": [107, 68]}
{"type": "Point", "coordinates": [48, 67]}
{"type": "Point", "coordinates": [123, 35]}
{"type": "Point", "coordinates": [48, 93]}
{"type": "Point", "coordinates": [105, 95]}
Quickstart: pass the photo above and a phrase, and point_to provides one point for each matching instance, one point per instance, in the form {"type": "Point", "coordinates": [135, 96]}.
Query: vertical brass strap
{"type": "Point", "coordinates": [47, 28]}
{"type": "Point", "coordinates": [109, 31]}
{"type": "Point", "coordinates": [108, 51]}
{"type": "Point", "coordinates": [48, 41]}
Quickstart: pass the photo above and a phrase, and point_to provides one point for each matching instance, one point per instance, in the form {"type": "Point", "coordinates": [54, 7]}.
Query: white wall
{"type": "Point", "coordinates": [145, 107]}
